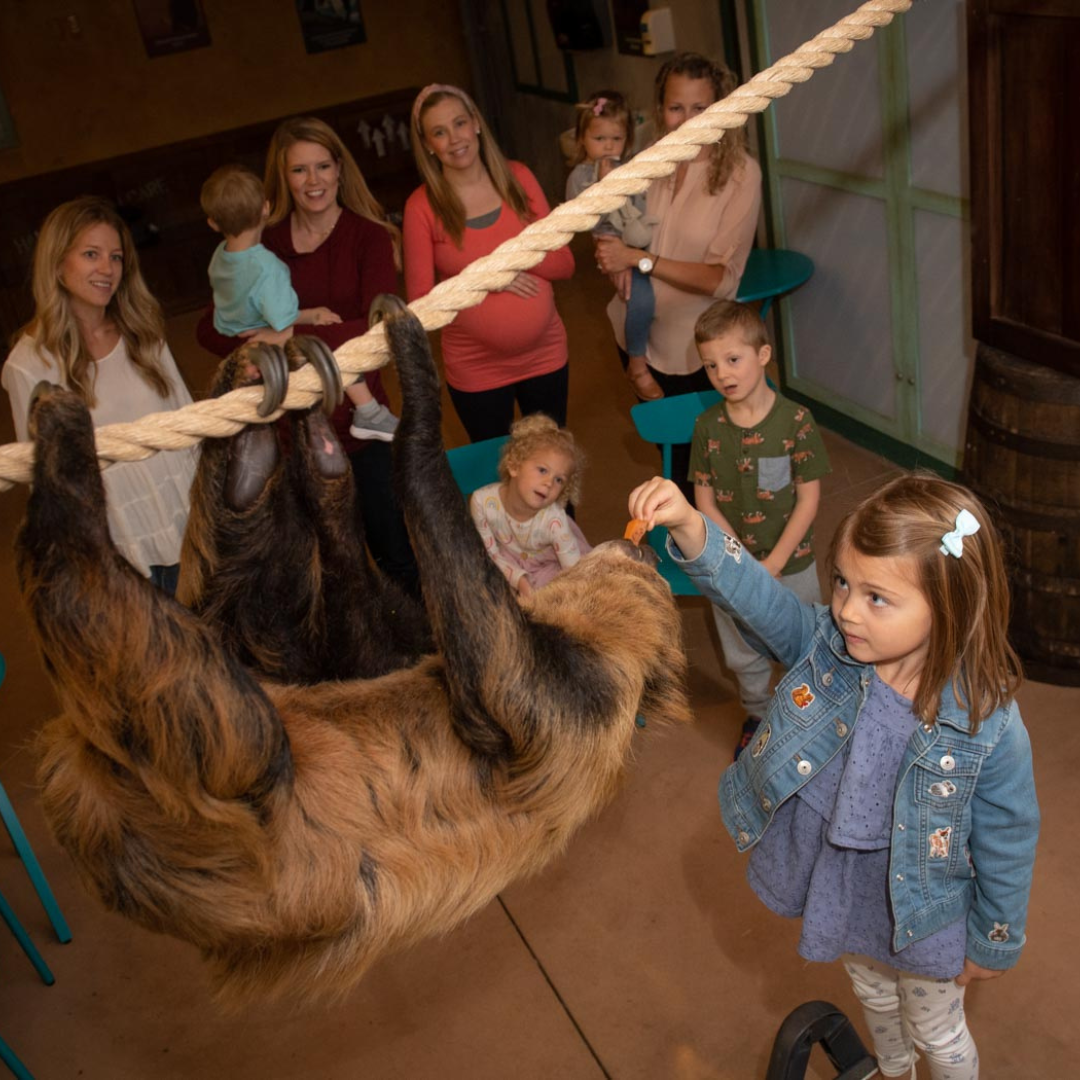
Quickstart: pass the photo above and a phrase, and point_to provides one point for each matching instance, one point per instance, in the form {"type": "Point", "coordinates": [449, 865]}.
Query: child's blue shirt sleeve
{"type": "Point", "coordinates": [275, 298]}
{"type": "Point", "coordinates": [728, 575]}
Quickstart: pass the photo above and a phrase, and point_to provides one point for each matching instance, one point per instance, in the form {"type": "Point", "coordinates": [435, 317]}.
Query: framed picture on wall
{"type": "Point", "coordinates": [171, 26]}
{"type": "Point", "coordinates": [330, 24]}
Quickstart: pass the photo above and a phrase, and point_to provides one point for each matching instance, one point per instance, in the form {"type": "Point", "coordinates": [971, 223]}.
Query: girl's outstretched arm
{"type": "Point", "coordinates": [660, 502]}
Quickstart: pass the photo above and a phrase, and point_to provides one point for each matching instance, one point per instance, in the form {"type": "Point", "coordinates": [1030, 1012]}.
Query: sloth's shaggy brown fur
{"type": "Point", "coordinates": [295, 833]}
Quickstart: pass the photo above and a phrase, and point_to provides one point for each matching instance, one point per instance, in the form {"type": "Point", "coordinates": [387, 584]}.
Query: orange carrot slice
{"type": "Point", "coordinates": [636, 530]}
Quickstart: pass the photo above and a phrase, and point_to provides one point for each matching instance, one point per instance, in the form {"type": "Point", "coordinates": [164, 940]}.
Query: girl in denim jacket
{"type": "Point", "coordinates": [888, 796]}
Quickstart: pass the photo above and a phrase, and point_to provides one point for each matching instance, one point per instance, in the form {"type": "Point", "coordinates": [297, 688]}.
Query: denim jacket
{"type": "Point", "coordinates": [964, 811]}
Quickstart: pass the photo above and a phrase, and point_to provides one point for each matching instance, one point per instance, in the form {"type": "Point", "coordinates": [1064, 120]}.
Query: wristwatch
{"type": "Point", "coordinates": [645, 264]}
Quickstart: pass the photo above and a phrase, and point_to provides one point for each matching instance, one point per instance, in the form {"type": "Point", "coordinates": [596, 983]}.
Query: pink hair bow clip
{"type": "Point", "coordinates": [952, 543]}
{"type": "Point", "coordinates": [598, 106]}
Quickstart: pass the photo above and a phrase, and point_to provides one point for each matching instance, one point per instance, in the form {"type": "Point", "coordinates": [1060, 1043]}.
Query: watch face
{"type": "Point", "coordinates": [645, 265]}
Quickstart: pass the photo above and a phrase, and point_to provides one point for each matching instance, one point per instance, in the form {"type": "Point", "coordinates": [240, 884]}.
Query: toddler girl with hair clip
{"type": "Point", "coordinates": [605, 137]}
{"type": "Point", "coordinates": [888, 795]}
{"type": "Point", "coordinates": [522, 519]}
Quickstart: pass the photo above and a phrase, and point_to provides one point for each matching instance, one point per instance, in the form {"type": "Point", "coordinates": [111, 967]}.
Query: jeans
{"type": "Point", "coordinates": [165, 578]}
{"type": "Point", "coordinates": [487, 414]}
{"type": "Point", "coordinates": [640, 309]}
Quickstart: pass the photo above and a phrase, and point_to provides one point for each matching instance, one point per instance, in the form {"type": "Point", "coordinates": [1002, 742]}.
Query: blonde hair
{"type": "Point", "coordinates": [726, 155]}
{"type": "Point", "coordinates": [726, 316]}
{"type": "Point", "coordinates": [968, 596]}
{"type": "Point", "coordinates": [353, 192]}
{"type": "Point", "coordinates": [537, 432]}
{"type": "Point", "coordinates": [233, 199]}
{"type": "Point", "coordinates": [132, 309]}
{"type": "Point", "coordinates": [444, 200]}
{"type": "Point", "coordinates": [603, 105]}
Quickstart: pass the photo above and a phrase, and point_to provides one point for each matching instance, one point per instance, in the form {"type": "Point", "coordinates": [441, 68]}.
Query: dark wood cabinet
{"type": "Point", "coordinates": [1024, 58]}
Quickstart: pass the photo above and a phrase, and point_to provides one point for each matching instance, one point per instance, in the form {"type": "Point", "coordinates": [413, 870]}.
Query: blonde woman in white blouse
{"type": "Point", "coordinates": [97, 330]}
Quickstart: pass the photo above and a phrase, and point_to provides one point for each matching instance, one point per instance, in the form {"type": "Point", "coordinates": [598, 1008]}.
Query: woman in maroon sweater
{"type": "Point", "coordinates": [341, 253]}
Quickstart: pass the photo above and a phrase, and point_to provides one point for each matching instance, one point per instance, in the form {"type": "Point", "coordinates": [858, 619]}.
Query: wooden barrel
{"type": "Point", "coordinates": [1022, 457]}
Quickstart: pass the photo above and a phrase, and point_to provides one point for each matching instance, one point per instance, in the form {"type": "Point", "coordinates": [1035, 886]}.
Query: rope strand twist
{"type": "Point", "coordinates": [224, 416]}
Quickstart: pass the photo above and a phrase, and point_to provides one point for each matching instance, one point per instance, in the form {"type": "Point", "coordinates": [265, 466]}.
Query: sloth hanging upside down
{"type": "Point", "coordinates": [298, 802]}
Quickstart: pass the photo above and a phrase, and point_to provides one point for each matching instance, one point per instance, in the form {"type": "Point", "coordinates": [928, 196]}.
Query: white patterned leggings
{"type": "Point", "coordinates": [906, 1012]}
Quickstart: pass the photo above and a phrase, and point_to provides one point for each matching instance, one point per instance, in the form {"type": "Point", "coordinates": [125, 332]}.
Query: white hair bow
{"type": "Point", "coordinates": [952, 543]}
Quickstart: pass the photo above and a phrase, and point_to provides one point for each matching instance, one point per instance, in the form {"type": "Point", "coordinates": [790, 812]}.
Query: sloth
{"type": "Point", "coordinates": [296, 829]}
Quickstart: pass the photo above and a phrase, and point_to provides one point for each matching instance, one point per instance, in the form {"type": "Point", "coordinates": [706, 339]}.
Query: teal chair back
{"type": "Point", "coordinates": [772, 272]}
{"type": "Point", "coordinates": [476, 464]}
{"type": "Point", "coordinates": [668, 421]}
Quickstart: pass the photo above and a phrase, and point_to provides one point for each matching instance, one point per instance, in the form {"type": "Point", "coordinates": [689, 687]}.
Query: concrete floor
{"type": "Point", "coordinates": [640, 954]}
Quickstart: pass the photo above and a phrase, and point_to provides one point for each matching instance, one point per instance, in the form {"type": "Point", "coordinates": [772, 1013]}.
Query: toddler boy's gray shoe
{"type": "Point", "coordinates": [373, 423]}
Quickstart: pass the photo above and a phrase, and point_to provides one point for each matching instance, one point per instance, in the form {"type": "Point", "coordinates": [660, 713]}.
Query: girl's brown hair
{"type": "Point", "coordinates": [353, 192]}
{"type": "Point", "coordinates": [726, 155]}
{"type": "Point", "coordinates": [444, 200]}
{"type": "Point", "coordinates": [603, 105]}
{"type": "Point", "coordinates": [968, 596]}
{"type": "Point", "coordinates": [537, 432]}
{"type": "Point", "coordinates": [132, 308]}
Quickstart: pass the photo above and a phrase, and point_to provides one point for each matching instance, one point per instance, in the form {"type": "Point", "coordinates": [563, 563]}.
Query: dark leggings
{"type": "Point", "coordinates": [672, 385]}
{"type": "Point", "coordinates": [384, 526]}
{"type": "Point", "coordinates": [487, 414]}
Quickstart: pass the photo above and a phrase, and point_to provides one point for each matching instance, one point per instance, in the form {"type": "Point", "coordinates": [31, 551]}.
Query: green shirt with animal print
{"type": "Point", "coordinates": [754, 471]}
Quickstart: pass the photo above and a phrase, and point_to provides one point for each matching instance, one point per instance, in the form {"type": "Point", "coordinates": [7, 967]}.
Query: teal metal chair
{"type": "Point", "coordinates": [476, 464]}
{"type": "Point", "coordinates": [26, 853]}
{"type": "Point", "coordinates": [668, 421]}
{"type": "Point", "coordinates": [772, 272]}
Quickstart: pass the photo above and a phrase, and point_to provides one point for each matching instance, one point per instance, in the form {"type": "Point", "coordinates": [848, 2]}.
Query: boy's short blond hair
{"type": "Point", "coordinates": [233, 199]}
{"type": "Point", "coordinates": [726, 316]}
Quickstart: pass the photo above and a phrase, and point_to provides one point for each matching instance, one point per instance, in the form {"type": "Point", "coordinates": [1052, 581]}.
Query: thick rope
{"type": "Point", "coordinates": [224, 416]}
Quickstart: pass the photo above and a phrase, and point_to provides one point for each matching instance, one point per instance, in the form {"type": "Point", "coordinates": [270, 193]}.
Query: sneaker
{"type": "Point", "coordinates": [379, 423]}
{"type": "Point", "coordinates": [746, 737]}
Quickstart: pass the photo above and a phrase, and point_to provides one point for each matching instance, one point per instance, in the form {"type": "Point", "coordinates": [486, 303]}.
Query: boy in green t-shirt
{"type": "Point", "coordinates": [755, 463]}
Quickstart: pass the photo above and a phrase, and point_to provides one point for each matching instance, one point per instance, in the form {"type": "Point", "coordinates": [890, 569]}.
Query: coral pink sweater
{"type": "Point", "coordinates": [505, 338]}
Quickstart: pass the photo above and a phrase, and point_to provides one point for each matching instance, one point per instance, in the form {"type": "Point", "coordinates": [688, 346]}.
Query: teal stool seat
{"type": "Point", "coordinates": [772, 272]}
{"type": "Point", "coordinates": [668, 421]}
{"type": "Point", "coordinates": [476, 464]}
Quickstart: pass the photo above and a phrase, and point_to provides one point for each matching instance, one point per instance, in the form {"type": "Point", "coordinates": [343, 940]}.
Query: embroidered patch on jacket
{"type": "Point", "coordinates": [732, 547]}
{"type": "Point", "coordinates": [943, 788]}
{"type": "Point", "coordinates": [761, 741]}
{"type": "Point", "coordinates": [939, 843]}
{"type": "Point", "coordinates": [1000, 933]}
{"type": "Point", "coordinates": [802, 696]}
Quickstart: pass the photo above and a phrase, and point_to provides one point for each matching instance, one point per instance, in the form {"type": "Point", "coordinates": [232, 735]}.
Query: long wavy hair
{"type": "Point", "coordinates": [537, 432]}
{"type": "Point", "coordinates": [726, 155]}
{"type": "Point", "coordinates": [54, 328]}
{"type": "Point", "coordinates": [444, 200]}
{"type": "Point", "coordinates": [353, 192]}
{"type": "Point", "coordinates": [968, 596]}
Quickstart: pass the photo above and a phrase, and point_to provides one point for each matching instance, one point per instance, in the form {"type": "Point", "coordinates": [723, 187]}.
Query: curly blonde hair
{"type": "Point", "coordinates": [730, 152]}
{"type": "Point", "coordinates": [132, 308]}
{"type": "Point", "coordinates": [538, 432]}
